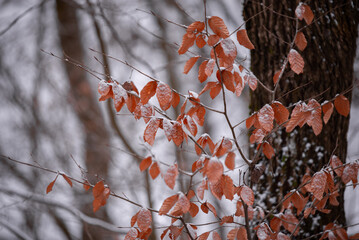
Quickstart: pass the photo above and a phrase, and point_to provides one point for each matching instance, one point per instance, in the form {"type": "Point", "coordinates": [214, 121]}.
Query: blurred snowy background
{"type": "Point", "coordinates": [41, 123]}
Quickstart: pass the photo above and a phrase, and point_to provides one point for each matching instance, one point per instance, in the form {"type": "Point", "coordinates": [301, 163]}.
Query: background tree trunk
{"type": "Point", "coordinates": [328, 71]}
{"type": "Point", "coordinates": [86, 107]}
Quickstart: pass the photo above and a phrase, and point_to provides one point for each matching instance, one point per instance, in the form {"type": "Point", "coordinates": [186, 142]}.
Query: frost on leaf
{"type": "Point", "coordinates": [350, 173]}
{"type": "Point", "coordinates": [201, 188]}
{"type": "Point", "coordinates": [212, 40]}
{"type": "Point", "coordinates": [298, 117]}
{"type": "Point", "coordinates": [296, 61]}
{"type": "Point", "coordinates": [337, 165]}
{"type": "Point", "coordinates": [189, 64]}
{"type": "Point", "coordinates": [266, 117]}
{"type": "Point", "coordinates": [170, 176]}
{"type": "Point", "coordinates": [317, 185]}
{"type": "Point", "coordinates": [209, 67]}
{"type": "Point", "coordinates": [144, 219]}
{"type": "Point", "coordinates": [119, 96]}
{"type": "Point", "coordinates": [300, 41]}
{"type": "Point", "coordinates": [167, 204]}
{"type": "Point", "coordinates": [243, 39]}
{"type": "Point", "coordinates": [182, 206]}
{"type": "Point", "coordinates": [327, 111]}
{"type": "Point", "coordinates": [252, 81]}
{"type": "Point", "coordinates": [214, 170]}
{"type": "Point", "coordinates": [247, 195]}
{"type": "Point", "coordinates": [342, 105]}
{"type": "Point", "coordinates": [105, 90]}
{"type": "Point", "coordinates": [218, 27]}
{"type": "Point", "coordinates": [164, 96]}
{"type": "Point", "coordinates": [202, 76]}
{"type": "Point", "coordinates": [131, 234]}
{"type": "Point", "coordinates": [315, 119]}
{"type": "Point", "coordinates": [151, 130]}
{"type": "Point", "coordinates": [195, 28]}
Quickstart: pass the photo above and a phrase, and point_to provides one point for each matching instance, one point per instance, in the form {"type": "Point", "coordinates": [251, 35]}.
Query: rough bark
{"type": "Point", "coordinates": [85, 105]}
{"type": "Point", "coordinates": [328, 71]}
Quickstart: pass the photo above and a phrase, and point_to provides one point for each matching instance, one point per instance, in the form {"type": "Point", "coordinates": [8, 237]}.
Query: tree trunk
{"type": "Point", "coordinates": [328, 71]}
{"type": "Point", "coordinates": [86, 107]}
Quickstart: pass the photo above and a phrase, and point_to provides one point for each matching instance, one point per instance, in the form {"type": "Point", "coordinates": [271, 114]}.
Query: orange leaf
{"type": "Point", "coordinates": [86, 185]}
{"type": "Point", "coordinates": [315, 119]}
{"type": "Point", "coordinates": [105, 89]}
{"type": "Point", "coordinates": [170, 176]}
{"type": "Point", "coordinates": [211, 208]}
{"type": "Point", "coordinates": [151, 130]}
{"type": "Point", "coordinates": [299, 116]}
{"type": "Point", "coordinates": [193, 210]}
{"type": "Point", "coordinates": [243, 39]}
{"type": "Point", "coordinates": [215, 90]}
{"type": "Point", "coordinates": [68, 180]}
{"type": "Point", "coordinates": [100, 194]}
{"type": "Point", "coordinates": [251, 120]}
{"type": "Point", "coordinates": [257, 136]}
{"type": "Point", "coordinates": [189, 64]}
{"type": "Point", "coordinates": [175, 99]}
{"type": "Point", "coordinates": [350, 173]}
{"type": "Point", "coordinates": [134, 219]}
{"type": "Point", "coordinates": [342, 105]}
{"type": "Point", "coordinates": [145, 163]}
{"type": "Point", "coordinates": [177, 134]}
{"type": "Point", "coordinates": [317, 185]}
{"type": "Point", "coordinates": [300, 41]}
{"type": "Point", "coordinates": [240, 85]}
{"type": "Point", "coordinates": [252, 81]}
{"type": "Point", "coordinates": [50, 186]}
{"type": "Point", "coordinates": [226, 219]}
{"type": "Point", "coordinates": [148, 91]}
{"type": "Point", "coordinates": [337, 165]}
{"type": "Point", "coordinates": [154, 170]}
{"type": "Point", "coordinates": [266, 117]}
{"type": "Point", "coordinates": [296, 61]}
{"type": "Point", "coordinates": [200, 42]}
{"type": "Point", "coordinates": [164, 96]}
{"type": "Point", "coordinates": [268, 150]}
{"type": "Point", "coordinates": [131, 234]}
{"type": "Point", "coordinates": [201, 188]}
{"type": "Point", "coordinates": [228, 188]}
{"type": "Point", "coordinates": [203, 236]}
{"type": "Point", "coordinates": [327, 111]}
{"type": "Point", "coordinates": [202, 76]}
{"type": "Point", "coordinates": [232, 234]}
{"type": "Point", "coordinates": [229, 162]}
{"type": "Point", "coordinates": [308, 14]}
{"type": "Point", "coordinates": [218, 27]}
{"type": "Point", "coordinates": [144, 219]}
{"type": "Point", "coordinates": [190, 125]}
{"type": "Point", "coordinates": [213, 39]}
{"type": "Point", "coordinates": [247, 195]}
{"type": "Point", "coordinates": [215, 236]}
{"type": "Point", "coordinates": [281, 113]}
{"type": "Point", "coordinates": [167, 204]}
{"type": "Point", "coordinates": [187, 42]}
{"type": "Point", "coordinates": [209, 67]}
{"type": "Point", "coordinates": [222, 147]}
{"type": "Point", "coordinates": [214, 170]}
{"type": "Point", "coordinates": [195, 27]}
{"type": "Point", "coordinates": [228, 80]}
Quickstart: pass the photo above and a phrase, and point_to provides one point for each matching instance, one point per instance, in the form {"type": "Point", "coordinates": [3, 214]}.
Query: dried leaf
{"type": "Point", "coordinates": [218, 27]}
{"type": "Point", "coordinates": [170, 176]}
{"type": "Point", "coordinates": [202, 76]}
{"type": "Point", "coordinates": [213, 39]}
{"type": "Point", "coordinates": [167, 204]}
{"type": "Point", "coordinates": [193, 210]}
{"type": "Point", "coordinates": [337, 165]}
{"type": "Point", "coordinates": [131, 234]}
{"type": "Point", "coordinates": [189, 64]}
{"type": "Point", "coordinates": [151, 130]}
{"type": "Point", "coordinates": [228, 187]}
{"type": "Point", "coordinates": [100, 194]}
{"type": "Point", "coordinates": [200, 41]}
{"type": "Point", "coordinates": [203, 236]}
{"type": "Point", "coordinates": [214, 170]}
{"type": "Point", "coordinates": [144, 219]}
{"type": "Point", "coordinates": [145, 163]}
{"type": "Point", "coordinates": [195, 27]}
{"type": "Point", "coordinates": [247, 195]}
{"type": "Point", "coordinates": [296, 61]}
{"type": "Point", "coordinates": [51, 185]}
{"type": "Point", "coordinates": [327, 111]}
{"type": "Point", "coordinates": [68, 180]}
{"type": "Point", "coordinates": [266, 117]}
{"type": "Point", "coordinates": [243, 39]}
{"type": "Point", "coordinates": [268, 150]}
{"type": "Point", "coordinates": [148, 91]}
{"type": "Point", "coordinates": [154, 170]}
{"type": "Point", "coordinates": [300, 41]}
{"type": "Point", "coordinates": [281, 113]}
{"type": "Point", "coordinates": [315, 119]}
{"type": "Point", "coordinates": [164, 96]}
{"type": "Point", "coordinates": [317, 185]}
{"type": "Point", "coordinates": [229, 162]}
{"type": "Point", "coordinates": [342, 105]}
{"type": "Point", "coordinates": [187, 42]}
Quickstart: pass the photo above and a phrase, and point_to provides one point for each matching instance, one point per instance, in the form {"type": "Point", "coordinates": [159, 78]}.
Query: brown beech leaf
{"type": "Point", "coordinates": [266, 117]}
{"type": "Point", "coordinates": [228, 187]}
{"type": "Point", "coordinates": [342, 105]}
{"type": "Point", "coordinates": [251, 120]}
{"type": "Point", "coordinates": [211, 208]}
{"type": "Point", "coordinates": [226, 219]}
{"type": "Point", "coordinates": [315, 119]}
{"type": "Point", "coordinates": [68, 180]}
{"type": "Point", "coordinates": [304, 11]}
{"type": "Point", "coordinates": [170, 176]}
{"type": "Point", "coordinates": [167, 204]}
{"type": "Point", "coordinates": [200, 41]}
{"type": "Point", "coordinates": [189, 64]}
{"type": "Point", "coordinates": [164, 96]}
{"type": "Point", "coordinates": [350, 173]}
{"type": "Point", "coordinates": [195, 27]}
{"type": "Point", "coordinates": [299, 116]}
{"type": "Point", "coordinates": [187, 42]}
{"type": "Point", "coordinates": [190, 125]}
{"type": "Point", "coordinates": [100, 194]}
{"type": "Point", "coordinates": [193, 210]}
{"type": "Point", "coordinates": [144, 219]}
{"type": "Point", "coordinates": [148, 91]}
{"type": "Point", "coordinates": [182, 206]}
{"type": "Point", "coordinates": [300, 41]}
{"type": "Point", "coordinates": [201, 188]}
{"type": "Point", "coordinates": [218, 27]}
{"type": "Point", "coordinates": [229, 162]}
{"type": "Point", "coordinates": [151, 130]}
{"type": "Point", "coordinates": [209, 67]}
{"type": "Point", "coordinates": [175, 99]}
{"type": "Point", "coordinates": [203, 236]}
{"type": "Point", "coordinates": [228, 80]}
{"type": "Point", "coordinates": [154, 170]}
{"type": "Point", "coordinates": [145, 163]}
{"type": "Point", "coordinates": [281, 113]}
{"type": "Point", "coordinates": [51, 185]}
{"type": "Point", "coordinates": [252, 81]}
{"type": "Point", "coordinates": [337, 165]}
{"type": "Point", "coordinates": [214, 170]}
{"type": "Point", "coordinates": [202, 76]}
{"type": "Point", "coordinates": [131, 234]}
{"type": "Point", "coordinates": [134, 219]}
{"type": "Point", "coordinates": [213, 39]}
{"type": "Point", "coordinates": [105, 90]}
{"type": "Point", "coordinates": [222, 147]}
{"type": "Point", "coordinates": [86, 185]}
{"type": "Point", "coordinates": [243, 39]}
{"type": "Point", "coordinates": [327, 111]}
{"type": "Point", "coordinates": [247, 195]}
{"type": "Point", "coordinates": [296, 61]}
{"type": "Point", "coordinates": [216, 236]}
{"type": "Point", "coordinates": [268, 150]}
{"type": "Point", "coordinates": [317, 185]}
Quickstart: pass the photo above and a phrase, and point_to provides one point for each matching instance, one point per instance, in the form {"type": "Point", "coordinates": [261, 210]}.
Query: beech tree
{"type": "Point", "coordinates": [220, 194]}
